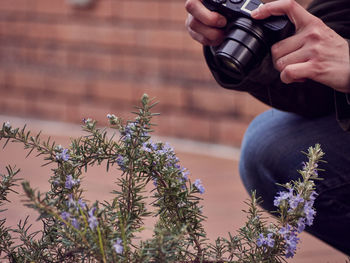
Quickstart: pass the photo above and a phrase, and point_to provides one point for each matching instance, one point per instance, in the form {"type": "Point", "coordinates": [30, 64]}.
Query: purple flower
{"type": "Point", "coordinates": [121, 162]}
{"type": "Point", "coordinates": [265, 241]}
{"type": "Point", "coordinates": [146, 147]}
{"type": "Point", "coordinates": [291, 244]}
{"type": "Point", "coordinates": [81, 203]}
{"type": "Point", "coordinates": [284, 195]}
{"type": "Point", "coordinates": [70, 202]}
{"type": "Point", "coordinates": [294, 201]}
{"type": "Point", "coordinates": [309, 213]}
{"type": "Point", "coordinates": [261, 240]}
{"type": "Point", "coordinates": [70, 182]}
{"type": "Point", "coordinates": [93, 222]}
{"type": "Point", "coordinates": [63, 156]}
{"type": "Point", "coordinates": [301, 225]}
{"type": "Point", "coordinates": [75, 223]}
{"type": "Point", "coordinates": [184, 175]}
{"type": "Point", "coordinates": [65, 216]}
{"type": "Point", "coordinates": [155, 182]}
{"type": "Point", "coordinates": [269, 240]}
{"type": "Point", "coordinates": [118, 247]}
{"type": "Point", "coordinates": [291, 240]}
{"type": "Point", "coordinates": [155, 147]}
{"type": "Point", "coordinates": [312, 197]}
{"type": "Point", "coordinates": [199, 186]}
{"type": "Point", "coordinates": [128, 131]}
{"type": "Point", "coordinates": [285, 230]}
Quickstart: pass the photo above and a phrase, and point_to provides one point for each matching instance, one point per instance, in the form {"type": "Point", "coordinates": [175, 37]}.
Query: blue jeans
{"type": "Point", "coordinates": [271, 153]}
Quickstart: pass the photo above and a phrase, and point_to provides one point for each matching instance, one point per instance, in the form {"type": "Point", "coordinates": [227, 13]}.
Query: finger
{"type": "Point", "coordinates": [295, 12]}
{"type": "Point", "coordinates": [212, 36]}
{"type": "Point", "coordinates": [297, 72]}
{"type": "Point", "coordinates": [198, 37]}
{"type": "Point", "coordinates": [202, 39]}
{"type": "Point", "coordinates": [287, 45]}
{"type": "Point", "coordinates": [299, 56]}
{"type": "Point", "coordinates": [203, 14]}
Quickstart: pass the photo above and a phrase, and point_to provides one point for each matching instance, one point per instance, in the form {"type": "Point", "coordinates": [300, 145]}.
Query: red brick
{"type": "Point", "coordinates": [185, 125]}
{"type": "Point", "coordinates": [191, 45]}
{"type": "Point", "coordinates": [173, 11]}
{"type": "Point", "coordinates": [21, 54]}
{"type": "Point", "coordinates": [14, 5]}
{"type": "Point", "coordinates": [138, 37]}
{"type": "Point", "coordinates": [247, 106]}
{"type": "Point", "coordinates": [151, 10]}
{"type": "Point", "coordinates": [27, 79]}
{"type": "Point", "coordinates": [48, 108]}
{"type": "Point", "coordinates": [162, 38]}
{"type": "Point", "coordinates": [140, 10]}
{"type": "Point", "coordinates": [14, 104]}
{"type": "Point", "coordinates": [97, 61]}
{"type": "Point", "coordinates": [194, 68]}
{"type": "Point", "coordinates": [213, 100]}
{"type": "Point", "coordinates": [14, 28]}
{"type": "Point", "coordinates": [56, 57]}
{"type": "Point", "coordinates": [112, 90]}
{"type": "Point", "coordinates": [230, 131]}
{"type": "Point", "coordinates": [3, 75]}
{"type": "Point", "coordinates": [6, 79]}
{"type": "Point", "coordinates": [42, 81]}
{"type": "Point", "coordinates": [52, 7]}
{"type": "Point", "coordinates": [137, 65]}
{"type": "Point", "coordinates": [117, 9]}
{"type": "Point", "coordinates": [28, 54]}
{"type": "Point", "coordinates": [67, 86]}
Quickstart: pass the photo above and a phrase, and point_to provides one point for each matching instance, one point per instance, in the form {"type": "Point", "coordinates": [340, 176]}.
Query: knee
{"type": "Point", "coordinates": [264, 160]}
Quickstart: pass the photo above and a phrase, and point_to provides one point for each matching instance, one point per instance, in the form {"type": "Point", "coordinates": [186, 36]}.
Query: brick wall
{"type": "Point", "coordinates": [64, 63]}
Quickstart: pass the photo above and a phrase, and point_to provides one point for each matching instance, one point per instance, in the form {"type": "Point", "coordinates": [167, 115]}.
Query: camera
{"type": "Point", "coordinates": [247, 41]}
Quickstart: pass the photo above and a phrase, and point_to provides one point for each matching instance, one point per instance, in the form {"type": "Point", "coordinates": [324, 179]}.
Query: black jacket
{"type": "Point", "coordinates": [310, 98]}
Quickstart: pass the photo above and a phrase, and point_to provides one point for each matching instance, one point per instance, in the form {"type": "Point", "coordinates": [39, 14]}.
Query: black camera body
{"type": "Point", "coordinates": [247, 41]}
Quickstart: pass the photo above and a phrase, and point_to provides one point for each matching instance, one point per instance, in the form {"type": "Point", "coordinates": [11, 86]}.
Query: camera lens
{"type": "Point", "coordinates": [234, 56]}
{"type": "Point", "coordinates": [243, 47]}
{"type": "Point", "coordinates": [229, 64]}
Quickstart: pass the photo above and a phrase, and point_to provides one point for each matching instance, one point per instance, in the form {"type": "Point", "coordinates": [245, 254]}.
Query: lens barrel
{"type": "Point", "coordinates": [244, 46]}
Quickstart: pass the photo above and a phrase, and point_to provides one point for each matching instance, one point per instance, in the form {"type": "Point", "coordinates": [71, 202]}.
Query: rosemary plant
{"type": "Point", "coordinates": [78, 230]}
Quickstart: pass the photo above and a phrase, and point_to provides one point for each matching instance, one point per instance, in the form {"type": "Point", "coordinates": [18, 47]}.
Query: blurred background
{"type": "Point", "coordinates": [65, 60]}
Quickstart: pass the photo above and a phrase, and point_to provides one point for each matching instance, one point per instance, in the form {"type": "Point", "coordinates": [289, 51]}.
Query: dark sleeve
{"type": "Point", "coordinates": [310, 98]}
{"type": "Point", "coordinates": [342, 109]}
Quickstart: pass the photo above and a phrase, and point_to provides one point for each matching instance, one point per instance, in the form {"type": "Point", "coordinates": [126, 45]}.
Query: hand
{"type": "Point", "coordinates": [204, 25]}
{"type": "Point", "coordinates": [315, 51]}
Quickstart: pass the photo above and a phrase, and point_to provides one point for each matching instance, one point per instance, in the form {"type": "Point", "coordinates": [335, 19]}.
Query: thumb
{"type": "Point", "coordinates": [295, 12]}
